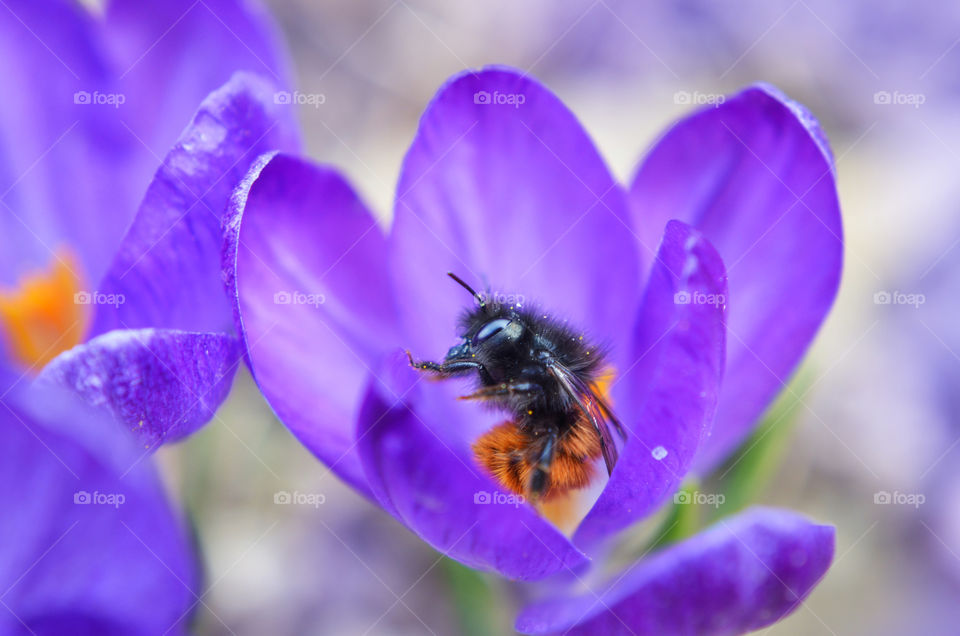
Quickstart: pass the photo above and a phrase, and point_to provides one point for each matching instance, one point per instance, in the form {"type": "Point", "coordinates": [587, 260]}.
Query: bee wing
{"type": "Point", "coordinates": [622, 432]}
{"type": "Point", "coordinates": [593, 407]}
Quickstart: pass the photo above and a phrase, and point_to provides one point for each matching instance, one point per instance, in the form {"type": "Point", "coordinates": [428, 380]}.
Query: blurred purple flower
{"type": "Point", "coordinates": [512, 192]}
{"type": "Point", "coordinates": [95, 101]}
{"type": "Point", "coordinates": [90, 542]}
{"type": "Point", "coordinates": [921, 340]}
{"type": "Point", "coordinates": [97, 97]}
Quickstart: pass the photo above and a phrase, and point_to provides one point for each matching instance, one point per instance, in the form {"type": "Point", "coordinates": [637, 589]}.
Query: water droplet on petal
{"type": "Point", "coordinates": [659, 453]}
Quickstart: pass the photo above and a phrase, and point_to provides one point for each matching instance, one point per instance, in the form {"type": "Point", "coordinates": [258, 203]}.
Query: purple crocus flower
{"type": "Point", "coordinates": [98, 101]}
{"type": "Point", "coordinates": [503, 186]}
{"type": "Point", "coordinates": [83, 251]}
{"type": "Point", "coordinates": [163, 360]}
{"type": "Point", "coordinates": [90, 542]}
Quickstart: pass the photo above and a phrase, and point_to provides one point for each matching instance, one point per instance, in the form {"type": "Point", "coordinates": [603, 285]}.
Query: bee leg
{"type": "Point", "coordinates": [447, 367]}
{"type": "Point", "coordinates": [505, 388]}
{"type": "Point", "coordinates": [424, 365]}
{"type": "Point", "coordinates": [539, 481]}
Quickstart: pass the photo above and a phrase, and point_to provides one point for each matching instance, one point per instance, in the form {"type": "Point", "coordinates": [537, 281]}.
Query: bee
{"type": "Point", "coordinates": [544, 375]}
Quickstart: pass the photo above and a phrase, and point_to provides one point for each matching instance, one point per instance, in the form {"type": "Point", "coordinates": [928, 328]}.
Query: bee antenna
{"type": "Point", "coordinates": [463, 284]}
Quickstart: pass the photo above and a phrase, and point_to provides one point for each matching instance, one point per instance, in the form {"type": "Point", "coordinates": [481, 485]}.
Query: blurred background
{"type": "Point", "coordinates": [866, 438]}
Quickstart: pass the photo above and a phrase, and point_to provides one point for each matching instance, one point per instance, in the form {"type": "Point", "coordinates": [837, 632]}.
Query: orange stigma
{"type": "Point", "coordinates": [44, 314]}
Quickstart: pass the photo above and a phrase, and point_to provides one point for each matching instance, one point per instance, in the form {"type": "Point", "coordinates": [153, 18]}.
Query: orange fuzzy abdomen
{"type": "Point", "coordinates": [510, 455]}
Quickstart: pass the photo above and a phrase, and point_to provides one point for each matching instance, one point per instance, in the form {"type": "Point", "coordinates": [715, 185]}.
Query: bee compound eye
{"type": "Point", "coordinates": [490, 329]}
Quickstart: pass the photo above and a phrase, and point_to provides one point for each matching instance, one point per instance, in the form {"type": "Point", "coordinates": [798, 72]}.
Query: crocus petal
{"type": "Point", "coordinates": [172, 54]}
{"type": "Point", "coordinates": [57, 154]}
{"type": "Point", "coordinates": [305, 264]}
{"type": "Point", "coordinates": [755, 176]}
{"type": "Point", "coordinates": [93, 546]}
{"type": "Point", "coordinates": [668, 396]}
{"type": "Point", "coordinates": [115, 91]}
{"type": "Point", "coordinates": [515, 199]}
{"type": "Point", "coordinates": [160, 384]}
{"type": "Point", "coordinates": [167, 271]}
{"type": "Point", "coordinates": [741, 574]}
{"type": "Point", "coordinates": [440, 493]}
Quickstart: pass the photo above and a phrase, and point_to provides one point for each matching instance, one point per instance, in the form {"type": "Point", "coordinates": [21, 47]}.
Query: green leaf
{"type": "Point", "coordinates": [683, 517]}
{"type": "Point", "coordinates": [476, 599]}
{"type": "Point", "coordinates": [747, 473]}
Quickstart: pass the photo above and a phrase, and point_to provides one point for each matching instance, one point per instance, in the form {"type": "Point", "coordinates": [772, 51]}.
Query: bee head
{"type": "Point", "coordinates": [487, 328]}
